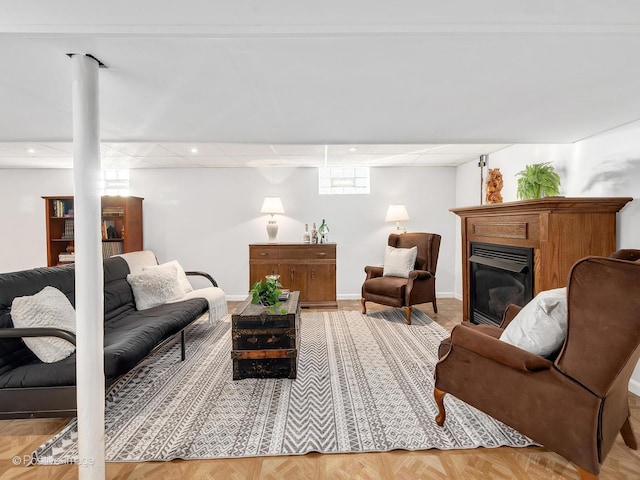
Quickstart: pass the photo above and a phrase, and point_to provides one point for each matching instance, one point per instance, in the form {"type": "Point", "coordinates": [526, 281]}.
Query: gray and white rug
{"type": "Point", "coordinates": [365, 383]}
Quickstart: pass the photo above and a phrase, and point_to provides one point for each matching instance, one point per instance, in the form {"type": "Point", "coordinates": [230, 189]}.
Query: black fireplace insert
{"type": "Point", "coordinates": [500, 275]}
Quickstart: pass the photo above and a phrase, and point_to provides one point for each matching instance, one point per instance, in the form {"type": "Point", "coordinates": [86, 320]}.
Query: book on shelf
{"type": "Point", "coordinates": [66, 257]}
{"type": "Point", "coordinates": [62, 208]}
{"type": "Point", "coordinates": [113, 211]}
{"type": "Point", "coordinates": [68, 229]}
{"type": "Point", "coordinates": [110, 249]}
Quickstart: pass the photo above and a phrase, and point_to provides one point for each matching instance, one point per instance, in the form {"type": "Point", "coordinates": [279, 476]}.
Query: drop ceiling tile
{"type": "Point", "coordinates": [168, 162]}
{"type": "Point", "coordinates": [233, 149]}
{"type": "Point", "coordinates": [388, 159]}
{"type": "Point", "coordinates": [183, 149]}
{"type": "Point", "coordinates": [35, 162]}
{"type": "Point", "coordinates": [215, 161]}
{"type": "Point", "coordinates": [21, 149]}
{"type": "Point", "coordinates": [144, 149]}
{"type": "Point", "coordinates": [302, 160]}
{"type": "Point", "coordinates": [402, 149]}
{"type": "Point", "coordinates": [304, 150]}
{"type": "Point", "coordinates": [59, 148]}
{"type": "Point", "coordinates": [340, 150]}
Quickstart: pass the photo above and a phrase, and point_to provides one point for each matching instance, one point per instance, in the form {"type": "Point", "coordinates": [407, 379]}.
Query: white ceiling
{"type": "Point", "coordinates": [408, 82]}
{"type": "Point", "coordinates": [194, 154]}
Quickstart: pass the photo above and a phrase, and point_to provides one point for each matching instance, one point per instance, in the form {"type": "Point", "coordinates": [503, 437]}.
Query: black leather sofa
{"type": "Point", "coordinates": [31, 388]}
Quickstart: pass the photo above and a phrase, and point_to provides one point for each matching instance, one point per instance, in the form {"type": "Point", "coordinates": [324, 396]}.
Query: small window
{"type": "Point", "coordinates": [343, 180]}
{"type": "Point", "coordinates": [115, 182]}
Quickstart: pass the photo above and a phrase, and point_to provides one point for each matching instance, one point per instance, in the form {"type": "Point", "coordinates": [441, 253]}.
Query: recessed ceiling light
{"type": "Point", "coordinates": [194, 150]}
{"type": "Point", "coordinates": [353, 149]}
{"type": "Point", "coordinates": [31, 150]}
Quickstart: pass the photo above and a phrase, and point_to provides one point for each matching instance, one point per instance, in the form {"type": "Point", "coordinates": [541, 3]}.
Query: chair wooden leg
{"type": "Point", "coordinates": [442, 414]}
{"type": "Point", "coordinates": [407, 311]}
{"type": "Point", "coordinates": [435, 307]}
{"type": "Point", "coordinates": [584, 475]}
{"type": "Point", "coordinates": [627, 435]}
{"type": "Point", "coordinates": [364, 307]}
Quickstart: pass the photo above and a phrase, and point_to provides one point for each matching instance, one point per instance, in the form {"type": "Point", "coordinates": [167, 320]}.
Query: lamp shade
{"type": "Point", "coordinates": [396, 213]}
{"type": "Point", "coordinates": [272, 205]}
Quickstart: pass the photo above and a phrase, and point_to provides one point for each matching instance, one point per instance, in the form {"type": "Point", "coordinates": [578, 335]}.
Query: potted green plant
{"type": "Point", "coordinates": [538, 180]}
{"type": "Point", "coordinates": [267, 293]}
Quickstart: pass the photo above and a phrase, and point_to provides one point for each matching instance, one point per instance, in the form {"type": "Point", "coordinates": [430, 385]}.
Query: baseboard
{"type": "Point", "coordinates": [236, 298]}
{"type": "Point", "coordinates": [357, 296]}
{"type": "Point", "coordinates": [347, 296]}
{"type": "Point", "coordinates": [457, 296]}
{"type": "Point", "coordinates": [634, 386]}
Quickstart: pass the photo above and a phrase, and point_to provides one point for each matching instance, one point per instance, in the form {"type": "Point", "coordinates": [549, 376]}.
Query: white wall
{"type": "Point", "coordinates": [23, 244]}
{"type": "Point", "coordinates": [604, 165]}
{"type": "Point", "coordinates": [205, 218]}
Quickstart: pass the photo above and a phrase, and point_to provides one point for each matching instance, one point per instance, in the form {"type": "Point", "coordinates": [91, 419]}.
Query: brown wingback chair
{"type": "Point", "coordinates": [420, 287]}
{"type": "Point", "coordinates": [575, 404]}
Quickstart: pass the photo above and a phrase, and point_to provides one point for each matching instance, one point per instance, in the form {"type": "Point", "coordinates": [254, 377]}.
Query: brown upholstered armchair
{"type": "Point", "coordinates": [577, 403]}
{"type": "Point", "coordinates": [420, 287]}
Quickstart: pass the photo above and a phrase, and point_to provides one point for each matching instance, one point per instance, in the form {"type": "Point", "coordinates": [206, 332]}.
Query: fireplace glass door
{"type": "Point", "coordinates": [500, 275]}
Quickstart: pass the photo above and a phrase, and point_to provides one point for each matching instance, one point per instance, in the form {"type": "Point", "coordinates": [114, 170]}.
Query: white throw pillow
{"type": "Point", "coordinates": [182, 277]}
{"type": "Point", "coordinates": [541, 326]}
{"type": "Point", "coordinates": [155, 287]}
{"type": "Point", "coordinates": [398, 262]}
{"type": "Point", "coordinates": [47, 308]}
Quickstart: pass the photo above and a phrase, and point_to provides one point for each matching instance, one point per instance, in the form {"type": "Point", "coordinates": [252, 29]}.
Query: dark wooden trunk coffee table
{"type": "Point", "coordinates": [265, 345]}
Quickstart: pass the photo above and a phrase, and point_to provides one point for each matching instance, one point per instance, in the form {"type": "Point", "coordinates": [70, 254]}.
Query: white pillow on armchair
{"type": "Point", "coordinates": [398, 262]}
{"type": "Point", "coordinates": [541, 326]}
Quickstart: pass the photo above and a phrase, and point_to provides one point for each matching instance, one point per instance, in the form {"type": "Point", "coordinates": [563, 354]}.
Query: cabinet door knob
{"type": "Point", "coordinates": [264, 254]}
{"type": "Point", "coordinates": [313, 274]}
{"type": "Point", "coordinates": [321, 254]}
{"type": "Point", "coordinates": [292, 275]}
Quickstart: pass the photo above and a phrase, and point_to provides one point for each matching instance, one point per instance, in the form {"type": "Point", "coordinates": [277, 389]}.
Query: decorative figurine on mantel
{"type": "Point", "coordinates": [494, 186]}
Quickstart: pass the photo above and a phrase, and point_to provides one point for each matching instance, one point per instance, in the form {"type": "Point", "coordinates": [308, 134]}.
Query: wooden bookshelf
{"type": "Point", "coordinates": [121, 225]}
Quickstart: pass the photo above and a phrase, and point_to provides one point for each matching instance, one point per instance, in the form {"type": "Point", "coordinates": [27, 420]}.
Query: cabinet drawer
{"type": "Point", "coordinates": [510, 228]}
{"type": "Point", "coordinates": [264, 252]}
{"type": "Point", "coordinates": [309, 252]}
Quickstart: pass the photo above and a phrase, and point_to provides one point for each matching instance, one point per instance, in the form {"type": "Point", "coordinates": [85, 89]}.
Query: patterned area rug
{"type": "Point", "coordinates": [365, 383]}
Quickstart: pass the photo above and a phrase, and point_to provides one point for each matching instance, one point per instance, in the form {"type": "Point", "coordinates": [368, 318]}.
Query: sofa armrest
{"type": "Point", "coordinates": [496, 350]}
{"type": "Point", "coordinates": [419, 275]}
{"type": "Point", "coordinates": [509, 314]}
{"type": "Point", "coordinates": [205, 275]}
{"type": "Point", "coordinates": [38, 332]}
{"type": "Point", "coordinates": [373, 272]}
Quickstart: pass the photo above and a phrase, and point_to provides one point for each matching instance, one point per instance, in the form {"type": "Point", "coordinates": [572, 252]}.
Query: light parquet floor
{"type": "Point", "coordinates": [20, 437]}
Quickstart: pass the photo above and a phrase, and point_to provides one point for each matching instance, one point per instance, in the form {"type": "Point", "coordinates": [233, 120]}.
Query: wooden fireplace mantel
{"type": "Point", "coordinates": [560, 230]}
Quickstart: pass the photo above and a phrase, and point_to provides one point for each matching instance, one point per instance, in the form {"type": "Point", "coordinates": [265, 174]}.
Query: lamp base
{"type": "Point", "coordinates": [400, 229]}
{"type": "Point", "coordinates": [272, 230]}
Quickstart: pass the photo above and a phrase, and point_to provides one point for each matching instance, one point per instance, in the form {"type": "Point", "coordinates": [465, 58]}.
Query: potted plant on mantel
{"type": "Point", "coordinates": [538, 180]}
{"type": "Point", "coordinates": [267, 293]}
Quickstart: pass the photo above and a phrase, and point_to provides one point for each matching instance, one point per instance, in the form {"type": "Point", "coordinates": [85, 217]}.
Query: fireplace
{"type": "Point", "coordinates": [500, 275]}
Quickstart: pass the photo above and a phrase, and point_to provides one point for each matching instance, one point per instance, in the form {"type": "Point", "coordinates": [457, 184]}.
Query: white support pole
{"type": "Point", "coordinates": [89, 271]}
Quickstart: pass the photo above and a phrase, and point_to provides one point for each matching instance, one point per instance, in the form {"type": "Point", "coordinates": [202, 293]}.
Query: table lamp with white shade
{"type": "Point", "coordinates": [397, 213]}
{"type": "Point", "coordinates": [272, 205]}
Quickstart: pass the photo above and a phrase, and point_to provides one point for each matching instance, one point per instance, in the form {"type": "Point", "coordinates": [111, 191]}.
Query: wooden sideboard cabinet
{"type": "Point", "coordinates": [307, 268]}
